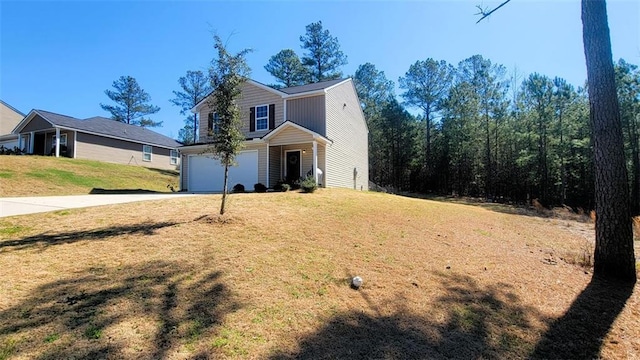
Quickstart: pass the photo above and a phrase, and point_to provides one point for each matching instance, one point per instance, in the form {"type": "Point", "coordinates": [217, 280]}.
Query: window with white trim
{"type": "Point", "coordinates": [174, 157]}
{"type": "Point", "coordinates": [63, 140]}
{"type": "Point", "coordinates": [213, 123]}
{"type": "Point", "coordinates": [262, 117]}
{"type": "Point", "coordinates": [146, 152]}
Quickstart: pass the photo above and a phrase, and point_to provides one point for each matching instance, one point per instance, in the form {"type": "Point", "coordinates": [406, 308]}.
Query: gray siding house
{"type": "Point", "coordinates": [316, 129]}
{"type": "Point", "coordinates": [97, 138]}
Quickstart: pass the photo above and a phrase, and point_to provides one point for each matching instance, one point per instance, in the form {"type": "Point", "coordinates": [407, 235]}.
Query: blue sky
{"type": "Point", "coordinates": [62, 56]}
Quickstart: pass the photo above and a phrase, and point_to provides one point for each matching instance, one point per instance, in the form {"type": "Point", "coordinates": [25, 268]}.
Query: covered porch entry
{"type": "Point", "coordinates": [54, 141]}
{"type": "Point", "coordinates": [295, 152]}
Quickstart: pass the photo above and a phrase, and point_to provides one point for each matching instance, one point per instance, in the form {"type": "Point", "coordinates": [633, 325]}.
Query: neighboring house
{"type": "Point", "coordinates": [97, 138]}
{"type": "Point", "coordinates": [9, 118]}
{"type": "Point", "coordinates": [316, 129]}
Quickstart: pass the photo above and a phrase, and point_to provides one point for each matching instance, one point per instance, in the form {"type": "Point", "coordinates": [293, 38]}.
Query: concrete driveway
{"type": "Point", "coordinates": [11, 206]}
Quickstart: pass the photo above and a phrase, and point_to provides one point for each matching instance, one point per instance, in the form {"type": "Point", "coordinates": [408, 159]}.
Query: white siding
{"type": "Point", "coordinates": [347, 128]}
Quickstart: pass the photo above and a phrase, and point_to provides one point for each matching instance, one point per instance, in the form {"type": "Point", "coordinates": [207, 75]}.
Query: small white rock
{"type": "Point", "coordinates": [356, 282]}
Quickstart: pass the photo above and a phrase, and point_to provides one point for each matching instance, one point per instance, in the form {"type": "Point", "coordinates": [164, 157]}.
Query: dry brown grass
{"type": "Point", "coordinates": [169, 279]}
{"type": "Point", "coordinates": [46, 175]}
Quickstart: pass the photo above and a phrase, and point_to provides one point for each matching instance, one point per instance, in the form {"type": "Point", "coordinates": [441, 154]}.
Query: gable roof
{"type": "Point", "coordinates": [295, 90]}
{"type": "Point", "coordinates": [104, 127]}
{"type": "Point", "coordinates": [291, 124]}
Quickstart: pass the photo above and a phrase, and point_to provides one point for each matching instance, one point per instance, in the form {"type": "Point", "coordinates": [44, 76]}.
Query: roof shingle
{"type": "Point", "coordinates": [111, 128]}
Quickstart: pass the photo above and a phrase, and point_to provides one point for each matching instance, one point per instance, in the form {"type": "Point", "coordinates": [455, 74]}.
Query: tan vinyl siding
{"type": "Point", "coordinates": [347, 129]}
{"type": "Point", "coordinates": [251, 96]}
{"type": "Point", "coordinates": [308, 112]}
{"type": "Point", "coordinates": [275, 163]}
{"type": "Point", "coordinates": [8, 119]}
{"type": "Point", "coordinates": [119, 151]}
{"type": "Point", "coordinates": [36, 124]}
{"type": "Point", "coordinates": [290, 135]}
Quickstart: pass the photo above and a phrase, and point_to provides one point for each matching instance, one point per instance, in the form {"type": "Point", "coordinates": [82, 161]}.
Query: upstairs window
{"type": "Point", "coordinates": [213, 123]}
{"type": "Point", "coordinates": [262, 117]}
{"type": "Point", "coordinates": [146, 152]}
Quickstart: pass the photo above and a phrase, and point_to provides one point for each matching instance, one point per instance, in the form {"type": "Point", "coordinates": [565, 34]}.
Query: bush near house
{"type": "Point", "coordinates": [238, 188]}
{"type": "Point", "coordinates": [309, 185]}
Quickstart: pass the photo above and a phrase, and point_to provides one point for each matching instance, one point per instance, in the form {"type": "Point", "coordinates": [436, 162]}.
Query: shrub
{"type": "Point", "coordinates": [295, 185]}
{"type": "Point", "coordinates": [281, 186]}
{"type": "Point", "coordinates": [308, 185]}
{"type": "Point", "coordinates": [7, 151]}
{"type": "Point", "coordinates": [259, 188]}
{"type": "Point", "coordinates": [238, 188]}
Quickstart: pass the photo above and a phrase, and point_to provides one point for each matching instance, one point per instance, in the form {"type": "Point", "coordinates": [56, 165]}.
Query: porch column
{"type": "Point", "coordinates": [31, 135]}
{"type": "Point", "coordinates": [75, 143]}
{"type": "Point", "coordinates": [57, 142]}
{"type": "Point", "coordinates": [315, 160]}
{"type": "Point", "coordinates": [267, 165]}
{"type": "Point", "coordinates": [20, 141]}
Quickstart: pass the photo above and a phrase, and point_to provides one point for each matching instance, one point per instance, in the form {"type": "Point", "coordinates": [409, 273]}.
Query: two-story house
{"type": "Point", "coordinates": [312, 130]}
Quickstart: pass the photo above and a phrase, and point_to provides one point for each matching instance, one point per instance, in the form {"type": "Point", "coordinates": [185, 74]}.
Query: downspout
{"type": "Point", "coordinates": [181, 169]}
{"type": "Point", "coordinates": [285, 111]}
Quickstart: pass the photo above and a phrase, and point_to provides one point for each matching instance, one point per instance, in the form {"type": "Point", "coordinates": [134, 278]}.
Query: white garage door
{"type": "Point", "coordinates": [207, 174]}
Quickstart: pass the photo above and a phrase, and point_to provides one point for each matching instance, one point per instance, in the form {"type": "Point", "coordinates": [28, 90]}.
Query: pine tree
{"type": "Point", "coordinates": [132, 103]}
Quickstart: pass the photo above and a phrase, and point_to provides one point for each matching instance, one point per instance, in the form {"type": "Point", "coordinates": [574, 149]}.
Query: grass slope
{"type": "Point", "coordinates": [46, 175]}
{"type": "Point", "coordinates": [167, 279]}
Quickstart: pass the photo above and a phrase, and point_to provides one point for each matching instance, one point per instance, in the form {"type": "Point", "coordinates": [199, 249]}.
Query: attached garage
{"type": "Point", "coordinates": [207, 174]}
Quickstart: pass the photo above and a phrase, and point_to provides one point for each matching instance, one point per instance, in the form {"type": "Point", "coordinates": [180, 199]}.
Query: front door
{"type": "Point", "coordinates": [293, 165]}
{"type": "Point", "coordinates": [39, 144]}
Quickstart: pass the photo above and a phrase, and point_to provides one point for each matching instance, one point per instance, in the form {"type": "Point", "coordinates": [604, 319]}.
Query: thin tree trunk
{"type": "Point", "coordinates": [634, 138]}
{"type": "Point", "coordinates": [563, 170]}
{"type": "Point", "coordinates": [195, 127]}
{"type": "Point", "coordinates": [614, 257]}
{"type": "Point", "coordinates": [224, 189]}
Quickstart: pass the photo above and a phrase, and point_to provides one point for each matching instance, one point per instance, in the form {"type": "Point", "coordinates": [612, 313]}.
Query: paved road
{"type": "Point", "coordinates": [11, 206]}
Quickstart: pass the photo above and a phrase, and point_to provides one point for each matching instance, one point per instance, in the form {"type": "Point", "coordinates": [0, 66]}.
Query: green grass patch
{"type": "Point", "coordinates": [465, 318]}
{"type": "Point", "coordinates": [47, 175]}
{"type": "Point", "coordinates": [51, 338]}
{"type": "Point", "coordinates": [93, 332]}
{"type": "Point", "coordinates": [10, 230]}
{"type": "Point", "coordinates": [6, 174]}
{"type": "Point", "coordinates": [7, 348]}
{"type": "Point", "coordinates": [63, 177]}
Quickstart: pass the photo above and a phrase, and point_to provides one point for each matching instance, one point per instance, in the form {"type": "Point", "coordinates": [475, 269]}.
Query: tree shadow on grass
{"type": "Point", "coordinates": [580, 332]}
{"type": "Point", "coordinates": [470, 322]}
{"type": "Point", "coordinates": [46, 239]}
{"type": "Point", "coordinates": [147, 311]}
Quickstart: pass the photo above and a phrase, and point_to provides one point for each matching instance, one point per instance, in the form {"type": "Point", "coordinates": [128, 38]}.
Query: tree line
{"type": "Point", "coordinates": [483, 132]}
